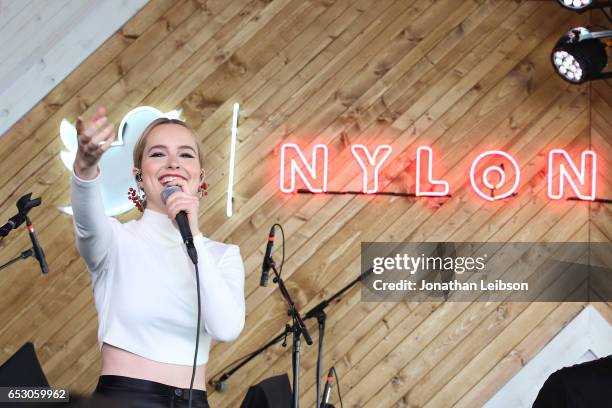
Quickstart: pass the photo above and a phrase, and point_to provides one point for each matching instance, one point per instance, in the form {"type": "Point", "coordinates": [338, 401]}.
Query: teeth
{"type": "Point", "coordinates": [167, 180]}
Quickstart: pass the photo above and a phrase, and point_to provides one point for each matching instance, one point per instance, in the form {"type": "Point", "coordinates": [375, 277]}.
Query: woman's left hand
{"type": "Point", "coordinates": [182, 201]}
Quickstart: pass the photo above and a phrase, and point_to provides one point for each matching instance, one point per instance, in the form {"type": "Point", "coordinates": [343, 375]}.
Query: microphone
{"type": "Point", "coordinates": [220, 386]}
{"type": "Point", "coordinates": [265, 267]}
{"type": "Point", "coordinates": [39, 254]}
{"type": "Point", "coordinates": [183, 224]}
{"type": "Point", "coordinates": [24, 205]}
{"type": "Point", "coordinates": [13, 222]}
{"type": "Point", "coordinates": [327, 390]}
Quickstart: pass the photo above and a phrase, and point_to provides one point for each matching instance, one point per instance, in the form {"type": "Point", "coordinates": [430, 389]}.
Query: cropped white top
{"type": "Point", "coordinates": [144, 284]}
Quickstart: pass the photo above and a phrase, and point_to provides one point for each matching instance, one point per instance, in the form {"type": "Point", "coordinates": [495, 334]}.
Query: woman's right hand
{"type": "Point", "coordinates": [94, 138]}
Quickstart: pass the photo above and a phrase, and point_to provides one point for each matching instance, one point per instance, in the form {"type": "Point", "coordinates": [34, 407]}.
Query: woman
{"type": "Point", "coordinates": [143, 281]}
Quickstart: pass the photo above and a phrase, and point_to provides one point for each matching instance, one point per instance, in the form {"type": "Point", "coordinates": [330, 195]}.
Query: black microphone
{"type": "Point", "coordinates": [39, 254]}
{"type": "Point", "coordinates": [13, 223]}
{"type": "Point", "coordinates": [183, 224]}
{"type": "Point", "coordinates": [220, 386]}
{"type": "Point", "coordinates": [24, 205]}
{"type": "Point", "coordinates": [328, 387]}
{"type": "Point", "coordinates": [265, 267]}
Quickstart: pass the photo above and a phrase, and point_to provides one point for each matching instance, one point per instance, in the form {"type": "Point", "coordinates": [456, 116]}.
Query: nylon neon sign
{"type": "Point", "coordinates": [494, 174]}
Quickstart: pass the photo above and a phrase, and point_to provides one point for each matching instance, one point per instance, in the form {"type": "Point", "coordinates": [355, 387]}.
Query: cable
{"type": "Point", "coordinates": [238, 361]}
{"type": "Point", "coordinates": [319, 358]}
{"type": "Point", "coordinates": [338, 386]}
{"type": "Point", "coordinates": [195, 357]}
{"type": "Point", "coordinates": [280, 269]}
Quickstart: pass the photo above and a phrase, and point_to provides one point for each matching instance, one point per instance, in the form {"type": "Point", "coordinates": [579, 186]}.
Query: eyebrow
{"type": "Point", "coordinates": [166, 148]}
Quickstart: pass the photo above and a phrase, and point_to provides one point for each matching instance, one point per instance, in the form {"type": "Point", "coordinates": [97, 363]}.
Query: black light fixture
{"type": "Point", "coordinates": [583, 5]}
{"type": "Point", "coordinates": [580, 56]}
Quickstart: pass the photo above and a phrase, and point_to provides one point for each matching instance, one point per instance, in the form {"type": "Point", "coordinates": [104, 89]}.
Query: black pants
{"type": "Point", "coordinates": [136, 393]}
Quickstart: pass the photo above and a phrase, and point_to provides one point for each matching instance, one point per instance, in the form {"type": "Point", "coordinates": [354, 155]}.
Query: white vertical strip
{"type": "Point", "coordinates": [232, 162]}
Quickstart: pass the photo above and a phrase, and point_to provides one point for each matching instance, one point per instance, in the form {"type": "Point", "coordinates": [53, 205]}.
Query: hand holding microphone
{"type": "Point", "coordinates": [179, 205]}
{"type": "Point", "coordinates": [178, 201]}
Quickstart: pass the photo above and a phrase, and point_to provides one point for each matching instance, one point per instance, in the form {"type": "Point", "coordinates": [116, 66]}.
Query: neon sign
{"type": "Point", "coordinates": [373, 165]}
{"type": "Point", "coordinates": [501, 171]}
{"type": "Point", "coordinates": [313, 176]}
{"type": "Point", "coordinates": [493, 174]}
{"type": "Point", "coordinates": [428, 153]}
{"type": "Point", "coordinates": [558, 158]}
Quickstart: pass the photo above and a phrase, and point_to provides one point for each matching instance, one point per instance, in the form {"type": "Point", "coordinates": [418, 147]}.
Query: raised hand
{"type": "Point", "coordinates": [94, 138]}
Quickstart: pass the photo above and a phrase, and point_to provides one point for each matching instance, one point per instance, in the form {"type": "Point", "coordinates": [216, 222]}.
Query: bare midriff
{"type": "Point", "coordinates": [116, 361]}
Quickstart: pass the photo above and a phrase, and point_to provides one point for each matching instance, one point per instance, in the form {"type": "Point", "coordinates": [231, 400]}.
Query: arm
{"type": "Point", "coordinates": [222, 289]}
{"type": "Point", "coordinates": [93, 230]}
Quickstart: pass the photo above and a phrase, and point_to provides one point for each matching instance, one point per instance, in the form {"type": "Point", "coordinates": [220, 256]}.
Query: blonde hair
{"type": "Point", "coordinates": [142, 140]}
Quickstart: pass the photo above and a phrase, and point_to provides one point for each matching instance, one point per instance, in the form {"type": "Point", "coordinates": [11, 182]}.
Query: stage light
{"type": "Point", "coordinates": [576, 4]}
{"type": "Point", "coordinates": [583, 5]}
{"type": "Point", "coordinates": [580, 56]}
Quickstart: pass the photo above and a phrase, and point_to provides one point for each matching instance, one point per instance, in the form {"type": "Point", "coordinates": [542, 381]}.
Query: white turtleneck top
{"type": "Point", "coordinates": [144, 284]}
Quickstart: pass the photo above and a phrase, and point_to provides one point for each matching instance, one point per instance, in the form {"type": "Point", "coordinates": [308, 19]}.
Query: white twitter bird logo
{"type": "Point", "coordinates": [116, 164]}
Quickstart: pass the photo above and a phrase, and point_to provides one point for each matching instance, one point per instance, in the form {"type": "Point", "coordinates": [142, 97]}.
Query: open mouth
{"type": "Point", "coordinates": [167, 179]}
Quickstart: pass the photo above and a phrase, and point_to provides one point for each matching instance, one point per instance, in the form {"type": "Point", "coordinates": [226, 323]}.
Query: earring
{"type": "Point", "coordinates": [203, 189]}
{"type": "Point", "coordinates": [139, 176]}
{"type": "Point", "coordinates": [138, 198]}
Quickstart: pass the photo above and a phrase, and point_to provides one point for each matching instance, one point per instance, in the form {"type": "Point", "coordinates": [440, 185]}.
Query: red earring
{"type": "Point", "coordinates": [136, 198]}
{"type": "Point", "coordinates": [204, 188]}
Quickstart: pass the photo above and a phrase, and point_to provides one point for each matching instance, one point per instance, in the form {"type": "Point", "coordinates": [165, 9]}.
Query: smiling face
{"type": "Point", "coordinates": [170, 156]}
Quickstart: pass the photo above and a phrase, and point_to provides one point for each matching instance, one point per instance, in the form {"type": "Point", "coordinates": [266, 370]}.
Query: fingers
{"type": "Point", "coordinates": [179, 201]}
{"type": "Point", "coordinates": [82, 136]}
{"type": "Point", "coordinates": [96, 125]}
{"type": "Point", "coordinates": [79, 125]}
{"type": "Point", "coordinates": [94, 137]}
{"type": "Point", "coordinates": [105, 136]}
{"type": "Point", "coordinates": [98, 119]}
{"type": "Point", "coordinates": [100, 112]}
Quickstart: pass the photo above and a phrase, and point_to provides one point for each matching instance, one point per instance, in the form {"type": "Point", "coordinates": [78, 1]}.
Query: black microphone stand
{"type": "Point", "coordinates": [24, 255]}
{"type": "Point", "coordinates": [321, 316]}
{"type": "Point", "coordinates": [298, 329]}
{"type": "Point", "coordinates": [318, 311]}
{"type": "Point", "coordinates": [24, 205]}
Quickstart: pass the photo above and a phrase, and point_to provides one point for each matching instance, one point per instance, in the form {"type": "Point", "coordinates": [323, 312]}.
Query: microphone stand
{"type": "Point", "coordinates": [321, 316]}
{"type": "Point", "coordinates": [318, 311]}
{"type": "Point", "coordinates": [24, 255]}
{"type": "Point", "coordinates": [24, 205]}
{"type": "Point", "coordinates": [298, 329]}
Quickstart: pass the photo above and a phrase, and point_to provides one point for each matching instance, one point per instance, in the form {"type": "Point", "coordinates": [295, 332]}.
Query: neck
{"type": "Point", "coordinates": [155, 207]}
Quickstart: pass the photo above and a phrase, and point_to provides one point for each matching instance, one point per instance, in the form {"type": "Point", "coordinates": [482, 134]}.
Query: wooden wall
{"type": "Point", "coordinates": [458, 76]}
